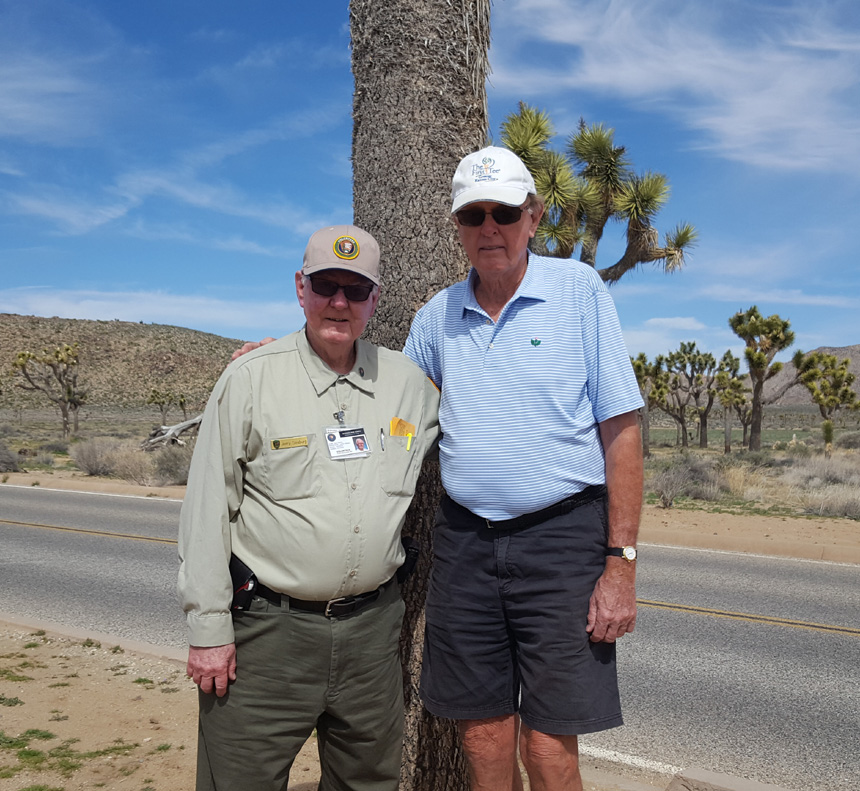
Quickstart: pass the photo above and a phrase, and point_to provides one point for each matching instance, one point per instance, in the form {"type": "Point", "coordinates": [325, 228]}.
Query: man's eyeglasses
{"type": "Point", "coordinates": [501, 214]}
{"type": "Point", "coordinates": [354, 292]}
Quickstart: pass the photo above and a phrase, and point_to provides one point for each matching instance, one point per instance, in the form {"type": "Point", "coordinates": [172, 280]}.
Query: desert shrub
{"type": "Point", "coordinates": [850, 441]}
{"type": "Point", "coordinates": [96, 456]}
{"type": "Point", "coordinates": [8, 460]}
{"type": "Point", "coordinates": [134, 465]}
{"type": "Point", "coordinates": [44, 460]}
{"type": "Point", "coordinates": [799, 450]}
{"type": "Point", "coordinates": [56, 446]}
{"type": "Point", "coordinates": [817, 471]}
{"type": "Point", "coordinates": [669, 479]}
{"type": "Point", "coordinates": [835, 500]}
{"type": "Point", "coordinates": [706, 480]}
{"type": "Point", "coordinates": [756, 458]}
{"type": "Point", "coordinates": [171, 465]}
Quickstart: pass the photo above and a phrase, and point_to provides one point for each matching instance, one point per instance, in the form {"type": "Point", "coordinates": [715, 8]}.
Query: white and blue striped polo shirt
{"type": "Point", "coordinates": [522, 397]}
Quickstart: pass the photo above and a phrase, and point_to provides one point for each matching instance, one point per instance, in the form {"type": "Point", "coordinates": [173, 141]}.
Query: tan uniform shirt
{"type": "Point", "coordinates": [263, 485]}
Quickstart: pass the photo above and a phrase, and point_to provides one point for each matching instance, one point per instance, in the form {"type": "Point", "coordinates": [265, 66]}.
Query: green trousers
{"type": "Point", "coordinates": [296, 672]}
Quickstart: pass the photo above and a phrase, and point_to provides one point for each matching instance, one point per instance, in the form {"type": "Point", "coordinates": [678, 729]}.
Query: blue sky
{"type": "Point", "coordinates": [166, 161]}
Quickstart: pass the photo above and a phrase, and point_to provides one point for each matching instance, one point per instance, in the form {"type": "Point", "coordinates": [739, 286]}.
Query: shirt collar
{"type": "Point", "coordinates": [531, 287]}
{"type": "Point", "coordinates": [362, 376]}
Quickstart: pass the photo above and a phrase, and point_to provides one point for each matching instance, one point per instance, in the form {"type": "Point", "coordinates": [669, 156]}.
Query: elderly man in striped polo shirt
{"type": "Point", "coordinates": [534, 548]}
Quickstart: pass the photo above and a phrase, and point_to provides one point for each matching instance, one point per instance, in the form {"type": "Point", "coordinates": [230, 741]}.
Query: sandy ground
{"type": "Point", "coordinates": [81, 711]}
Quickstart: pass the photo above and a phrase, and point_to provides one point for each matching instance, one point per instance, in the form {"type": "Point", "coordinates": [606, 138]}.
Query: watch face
{"type": "Point", "coordinates": [629, 553]}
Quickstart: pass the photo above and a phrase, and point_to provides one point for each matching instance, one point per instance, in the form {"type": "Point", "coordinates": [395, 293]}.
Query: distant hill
{"type": "Point", "coordinates": [800, 395]}
{"type": "Point", "coordinates": [120, 361]}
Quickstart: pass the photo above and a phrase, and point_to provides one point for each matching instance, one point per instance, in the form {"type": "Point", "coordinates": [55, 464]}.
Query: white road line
{"type": "Point", "coordinates": [742, 554]}
{"type": "Point", "coordinates": [153, 498]}
{"type": "Point", "coordinates": [629, 760]}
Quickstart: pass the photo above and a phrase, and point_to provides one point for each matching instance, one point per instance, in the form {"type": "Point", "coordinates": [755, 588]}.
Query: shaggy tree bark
{"type": "Point", "coordinates": [420, 71]}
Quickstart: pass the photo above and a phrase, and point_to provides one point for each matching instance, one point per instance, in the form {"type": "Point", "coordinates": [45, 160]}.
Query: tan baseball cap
{"type": "Point", "coordinates": [342, 247]}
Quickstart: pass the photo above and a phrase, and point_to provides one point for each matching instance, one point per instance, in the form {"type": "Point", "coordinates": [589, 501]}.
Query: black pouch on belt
{"type": "Point", "coordinates": [413, 550]}
{"type": "Point", "coordinates": [244, 584]}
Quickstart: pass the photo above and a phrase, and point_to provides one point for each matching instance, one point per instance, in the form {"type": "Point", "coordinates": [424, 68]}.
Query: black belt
{"type": "Point", "coordinates": [333, 608]}
{"type": "Point", "coordinates": [587, 495]}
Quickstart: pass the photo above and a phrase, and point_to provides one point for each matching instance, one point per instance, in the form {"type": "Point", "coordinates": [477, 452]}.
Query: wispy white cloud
{"type": "Point", "coordinates": [778, 91]}
{"type": "Point", "coordinates": [45, 101]}
{"type": "Point", "coordinates": [8, 167]}
{"type": "Point", "coordinates": [675, 323]}
{"type": "Point", "coordinates": [55, 89]}
{"type": "Point", "coordinates": [275, 59]}
{"type": "Point", "coordinates": [190, 180]}
{"type": "Point", "coordinates": [72, 213]}
{"type": "Point", "coordinates": [776, 297]}
{"type": "Point", "coordinates": [665, 335]}
{"type": "Point", "coordinates": [235, 243]}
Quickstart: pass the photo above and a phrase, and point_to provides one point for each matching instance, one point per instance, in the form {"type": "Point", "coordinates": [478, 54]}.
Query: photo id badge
{"type": "Point", "coordinates": [347, 442]}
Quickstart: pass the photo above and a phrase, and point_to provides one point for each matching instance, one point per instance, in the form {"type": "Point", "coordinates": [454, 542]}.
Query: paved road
{"type": "Point", "coordinates": [772, 700]}
{"type": "Point", "coordinates": [81, 577]}
{"type": "Point", "coordinates": [740, 664]}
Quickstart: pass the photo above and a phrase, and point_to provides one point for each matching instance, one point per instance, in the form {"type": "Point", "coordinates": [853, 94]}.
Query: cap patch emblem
{"type": "Point", "coordinates": [346, 247]}
{"type": "Point", "coordinates": [485, 171]}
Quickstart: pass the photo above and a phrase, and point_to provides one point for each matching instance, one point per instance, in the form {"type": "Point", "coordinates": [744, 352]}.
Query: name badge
{"type": "Point", "coordinates": [347, 442]}
{"type": "Point", "coordinates": [288, 442]}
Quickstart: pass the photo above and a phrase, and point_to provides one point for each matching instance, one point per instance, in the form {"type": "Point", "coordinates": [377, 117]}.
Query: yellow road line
{"type": "Point", "coordinates": [84, 531]}
{"type": "Point", "coordinates": [745, 616]}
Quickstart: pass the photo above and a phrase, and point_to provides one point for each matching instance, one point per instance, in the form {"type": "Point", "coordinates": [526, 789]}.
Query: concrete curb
{"type": "Point", "coordinates": [703, 780]}
{"type": "Point", "coordinates": [178, 655]}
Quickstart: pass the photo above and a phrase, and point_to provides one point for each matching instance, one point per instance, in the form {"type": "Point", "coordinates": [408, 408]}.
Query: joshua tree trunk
{"type": "Point", "coordinates": [757, 414]}
{"type": "Point", "coordinates": [645, 425]}
{"type": "Point", "coordinates": [420, 70]}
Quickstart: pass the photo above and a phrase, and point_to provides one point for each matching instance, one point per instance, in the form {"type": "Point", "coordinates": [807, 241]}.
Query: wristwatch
{"type": "Point", "coordinates": [628, 553]}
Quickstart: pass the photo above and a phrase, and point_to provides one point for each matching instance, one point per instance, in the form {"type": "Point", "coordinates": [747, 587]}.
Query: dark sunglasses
{"type": "Point", "coordinates": [502, 215]}
{"type": "Point", "coordinates": [354, 292]}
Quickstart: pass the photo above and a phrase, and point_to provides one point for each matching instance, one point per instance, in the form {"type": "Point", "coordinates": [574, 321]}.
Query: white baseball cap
{"type": "Point", "coordinates": [491, 174]}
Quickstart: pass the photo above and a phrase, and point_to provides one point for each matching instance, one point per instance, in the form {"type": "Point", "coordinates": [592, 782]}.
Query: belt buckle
{"type": "Point", "coordinates": [342, 600]}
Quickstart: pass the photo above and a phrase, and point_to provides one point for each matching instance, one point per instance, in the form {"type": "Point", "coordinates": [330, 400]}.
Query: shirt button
{"type": "Point", "coordinates": [356, 529]}
{"type": "Point", "coordinates": [354, 486]}
{"type": "Point", "coordinates": [488, 322]}
{"type": "Point", "coordinates": [353, 573]}
{"type": "Point", "coordinates": [491, 345]}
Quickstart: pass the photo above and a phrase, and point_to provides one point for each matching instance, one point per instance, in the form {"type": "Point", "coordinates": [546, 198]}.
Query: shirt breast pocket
{"type": "Point", "coordinates": [291, 471]}
{"type": "Point", "coordinates": [400, 467]}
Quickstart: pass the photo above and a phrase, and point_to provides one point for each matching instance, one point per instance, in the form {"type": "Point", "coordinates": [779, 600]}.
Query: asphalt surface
{"type": "Point", "coordinates": [740, 664]}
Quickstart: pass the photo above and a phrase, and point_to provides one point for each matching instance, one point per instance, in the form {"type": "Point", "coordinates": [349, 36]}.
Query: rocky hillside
{"type": "Point", "coordinates": [120, 362]}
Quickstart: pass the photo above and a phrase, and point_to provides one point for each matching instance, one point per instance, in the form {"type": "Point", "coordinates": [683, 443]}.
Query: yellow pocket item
{"type": "Point", "coordinates": [400, 428]}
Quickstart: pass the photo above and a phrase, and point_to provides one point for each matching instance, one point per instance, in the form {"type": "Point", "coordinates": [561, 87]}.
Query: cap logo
{"type": "Point", "coordinates": [485, 171]}
{"type": "Point", "coordinates": [346, 247]}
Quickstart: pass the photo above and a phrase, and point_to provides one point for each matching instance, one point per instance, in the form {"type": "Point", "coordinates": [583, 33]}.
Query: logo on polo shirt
{"type": "Point", "coordinates": [535, 341]}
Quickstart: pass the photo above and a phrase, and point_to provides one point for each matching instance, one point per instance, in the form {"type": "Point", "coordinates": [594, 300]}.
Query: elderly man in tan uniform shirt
{"type": "Point", "coordinates": [306, 463]}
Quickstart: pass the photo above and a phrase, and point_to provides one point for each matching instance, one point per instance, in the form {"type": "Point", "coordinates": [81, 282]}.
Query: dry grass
{"type": "Point", "coordinates": [773, 482]}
